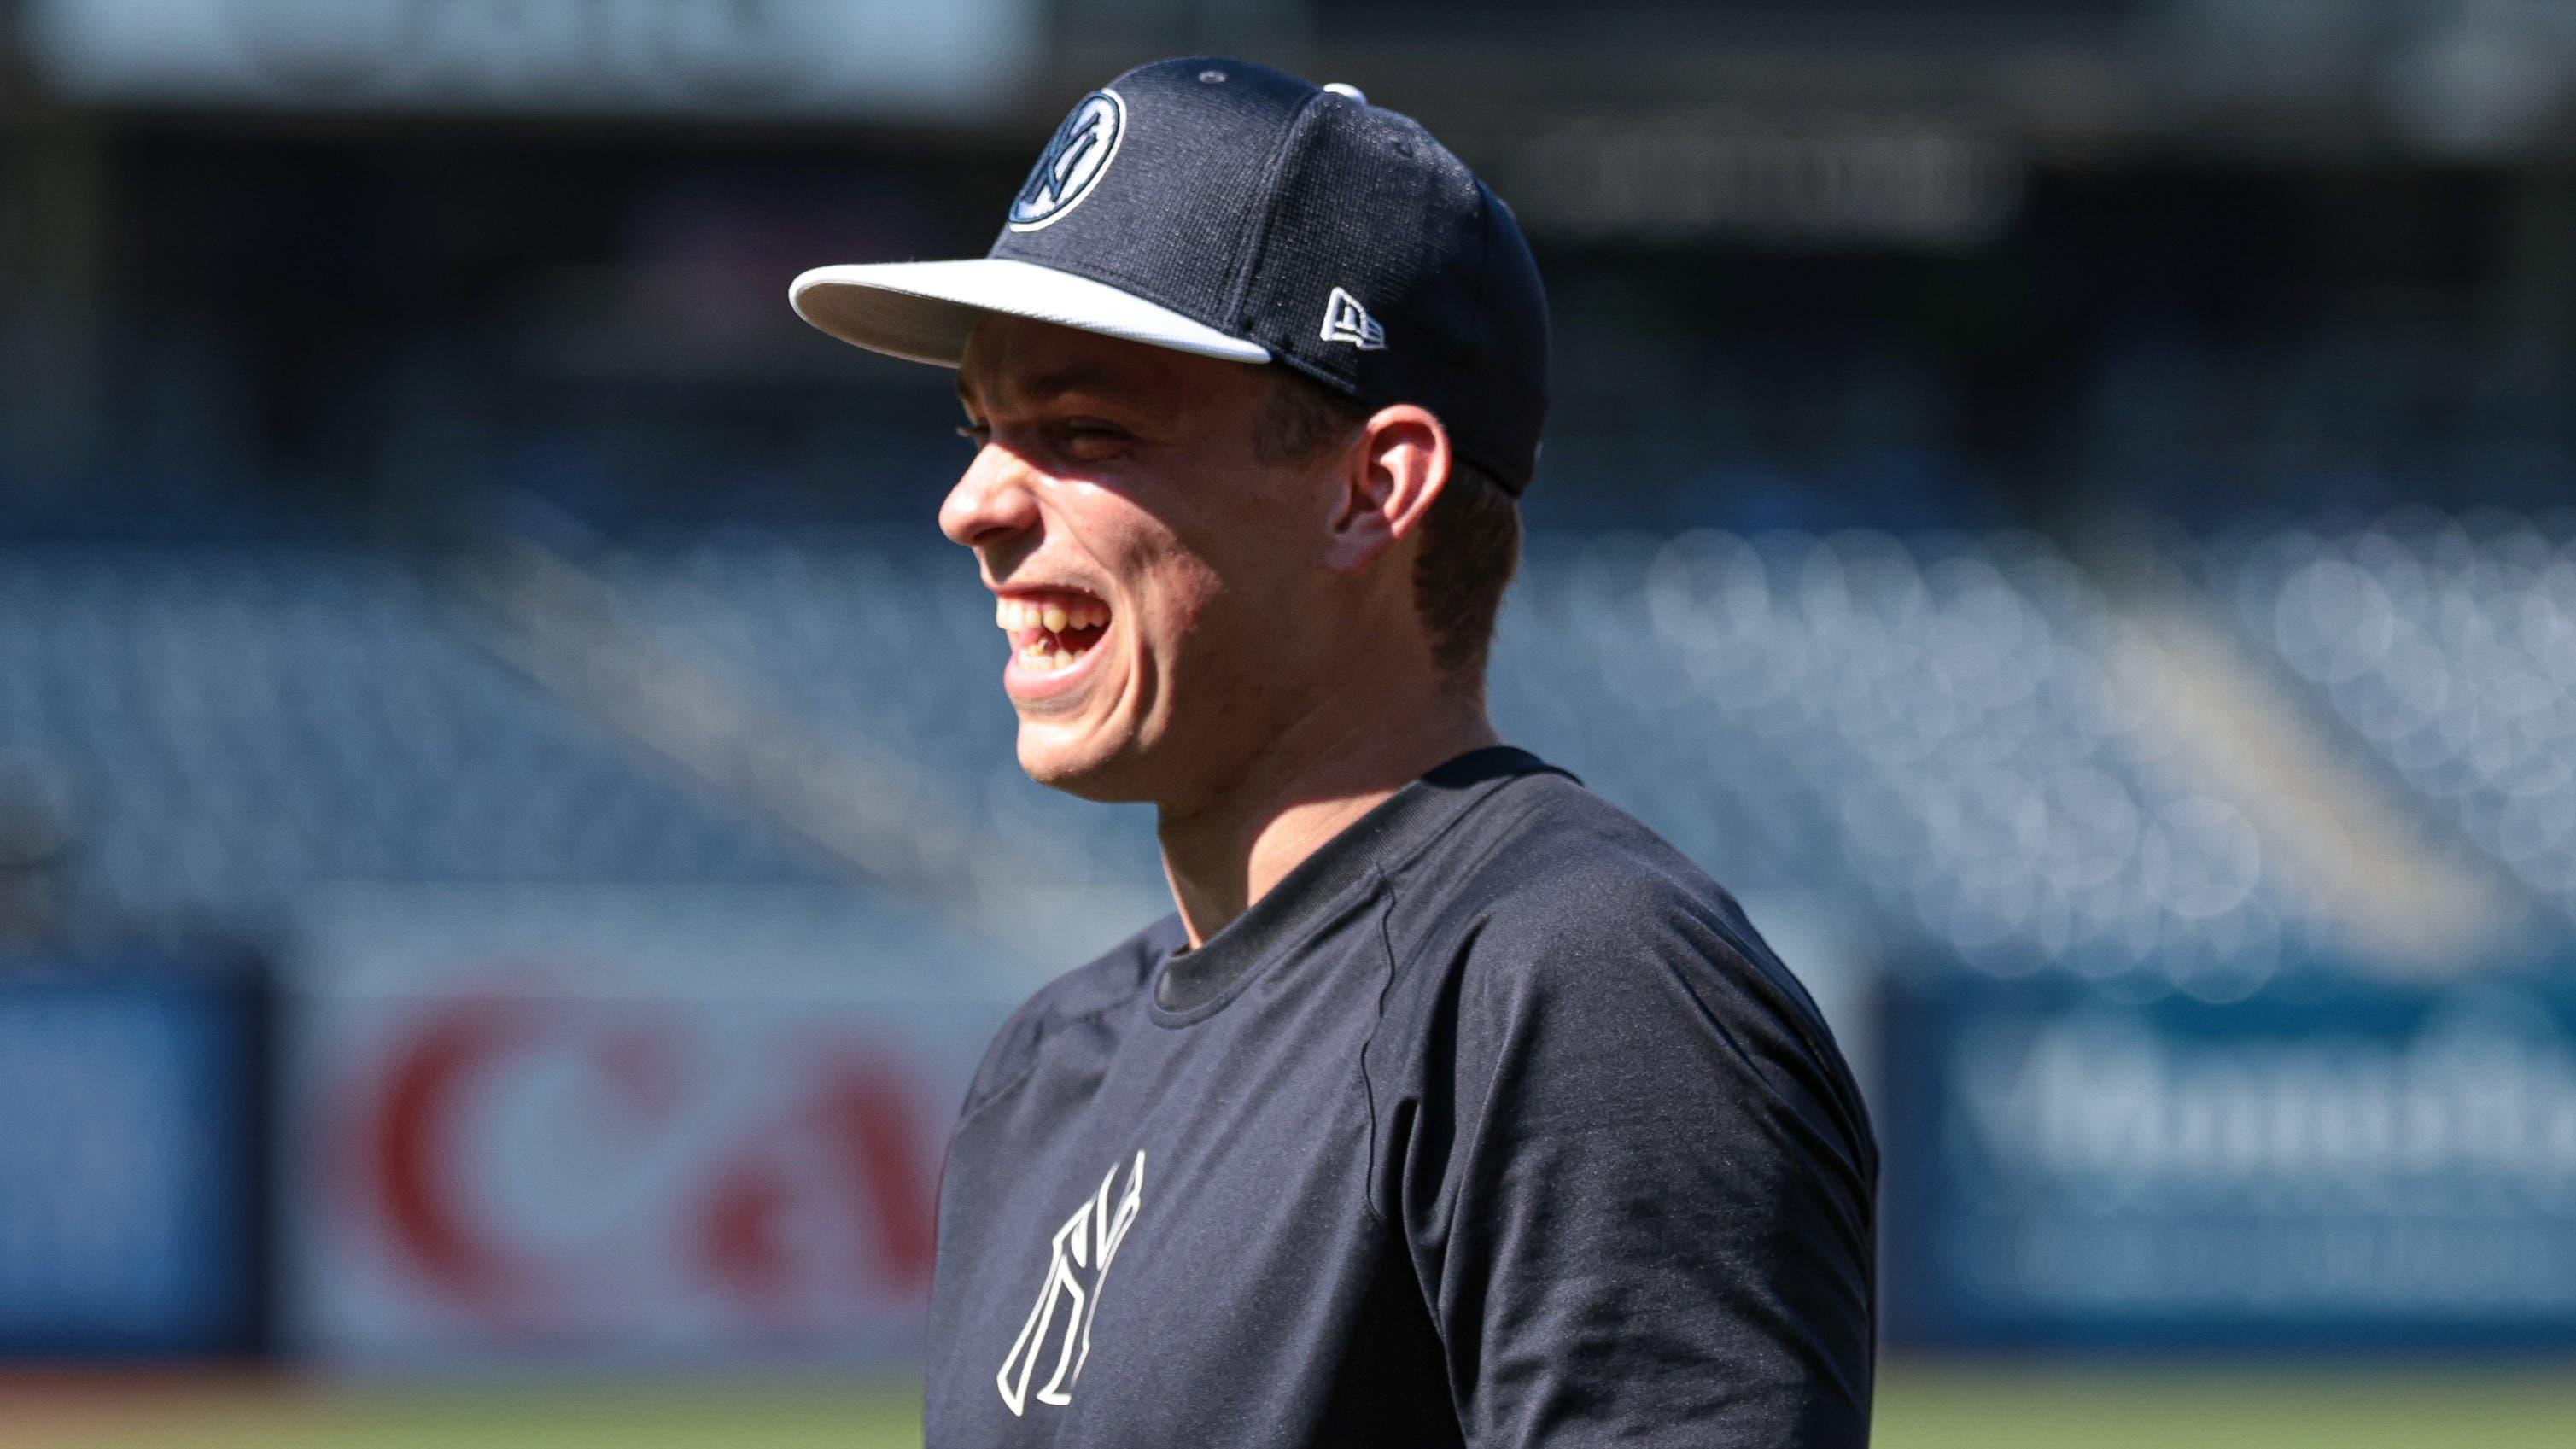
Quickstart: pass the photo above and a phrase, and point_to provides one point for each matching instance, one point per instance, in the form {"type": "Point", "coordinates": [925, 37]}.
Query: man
{"type": "Point", "coordinates": [1451, 1106]}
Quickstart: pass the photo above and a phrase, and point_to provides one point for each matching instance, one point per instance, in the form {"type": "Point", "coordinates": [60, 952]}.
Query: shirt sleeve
{"type": "Point", "coordinates": [1638, 1191]}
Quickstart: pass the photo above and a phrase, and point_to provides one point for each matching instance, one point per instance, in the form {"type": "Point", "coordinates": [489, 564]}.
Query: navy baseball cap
{"type": "Point", "coordinates": [1223, 208]}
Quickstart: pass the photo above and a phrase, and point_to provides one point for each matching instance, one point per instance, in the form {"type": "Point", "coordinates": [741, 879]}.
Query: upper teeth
{"type": "Point", "coordinates": [1054, 617]}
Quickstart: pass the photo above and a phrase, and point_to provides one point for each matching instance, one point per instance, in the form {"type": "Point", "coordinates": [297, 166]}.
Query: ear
{"type": "Point", "coordinates": [1390, 476]}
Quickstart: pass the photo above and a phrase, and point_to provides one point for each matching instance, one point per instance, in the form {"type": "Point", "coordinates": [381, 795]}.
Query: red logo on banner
{"type": "Point", "coordinates": [527, 1160]}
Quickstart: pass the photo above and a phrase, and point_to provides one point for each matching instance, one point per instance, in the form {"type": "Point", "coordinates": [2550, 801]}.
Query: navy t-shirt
{"type": "Point", "coordinates": [1493, 1123]}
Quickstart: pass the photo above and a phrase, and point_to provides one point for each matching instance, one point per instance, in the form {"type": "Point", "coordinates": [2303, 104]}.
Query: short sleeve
{"type": "Point", "coordinates": [1639, 1190]}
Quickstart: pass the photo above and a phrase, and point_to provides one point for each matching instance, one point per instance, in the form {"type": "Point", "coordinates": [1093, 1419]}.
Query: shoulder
{"type": "Point", "coordinates": [1561, 926]}
{"type": "Point", "coordinates": [1080, 998]}
{"type": "Point", "coordinates": [1549, 870]}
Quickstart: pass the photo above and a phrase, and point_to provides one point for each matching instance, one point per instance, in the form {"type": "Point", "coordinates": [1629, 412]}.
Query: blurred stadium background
{"type": "Point", "coordinates": [508, 845]}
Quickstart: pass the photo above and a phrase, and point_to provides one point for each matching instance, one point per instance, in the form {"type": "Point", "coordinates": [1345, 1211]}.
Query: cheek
{"type": "Point", "coordinates": [1206, 584]}
{"type": "Point", "coordinates": [1265, 549]}
{"type": "Point", "coordinates": [1183, 607]}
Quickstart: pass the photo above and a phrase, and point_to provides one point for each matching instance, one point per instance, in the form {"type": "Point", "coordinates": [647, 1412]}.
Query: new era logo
{"type": "Point", "coordinates": [1345, 320]}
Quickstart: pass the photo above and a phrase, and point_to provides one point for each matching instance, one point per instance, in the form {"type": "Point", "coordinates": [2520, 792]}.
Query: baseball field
{"type": "Point", "coordinates": [1919, 1408]}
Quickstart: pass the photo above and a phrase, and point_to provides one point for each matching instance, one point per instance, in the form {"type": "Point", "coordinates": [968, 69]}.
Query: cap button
{"type": "Point", "coordinates": [1345, 88]}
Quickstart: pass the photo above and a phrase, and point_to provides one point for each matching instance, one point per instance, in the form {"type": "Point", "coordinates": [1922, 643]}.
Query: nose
{"type": "Point", "coordinates": [993, 500]}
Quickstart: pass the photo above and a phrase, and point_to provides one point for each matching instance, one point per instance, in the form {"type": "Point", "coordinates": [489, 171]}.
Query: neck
{"type": "Point", "coordinates": [1313, 778]}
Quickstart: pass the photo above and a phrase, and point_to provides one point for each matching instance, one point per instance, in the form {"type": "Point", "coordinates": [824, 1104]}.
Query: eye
{"type": "Point", "coordinates": [1090, 439]}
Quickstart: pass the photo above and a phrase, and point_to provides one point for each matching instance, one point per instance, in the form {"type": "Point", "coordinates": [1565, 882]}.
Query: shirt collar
{"type": "Point", "coordinates": [1190, 985]}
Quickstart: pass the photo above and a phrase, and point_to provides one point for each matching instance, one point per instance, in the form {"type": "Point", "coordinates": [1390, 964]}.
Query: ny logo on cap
{"type": "Point", "coordinates": [1345, 320]}
{"type": "Point", "coordinates": [1073, 161]}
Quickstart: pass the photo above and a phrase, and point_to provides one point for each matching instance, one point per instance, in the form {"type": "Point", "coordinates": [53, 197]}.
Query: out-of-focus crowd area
{"type": "Point", "coordinates": [509, 836]}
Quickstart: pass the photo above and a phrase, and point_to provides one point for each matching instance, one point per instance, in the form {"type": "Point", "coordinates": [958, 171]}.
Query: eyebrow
{"type": "Point", "coordinates": [1051, 384]}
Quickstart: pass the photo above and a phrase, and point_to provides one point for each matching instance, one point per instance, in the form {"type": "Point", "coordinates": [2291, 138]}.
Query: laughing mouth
{"type": "Point", "coordinates": [1051, 629]}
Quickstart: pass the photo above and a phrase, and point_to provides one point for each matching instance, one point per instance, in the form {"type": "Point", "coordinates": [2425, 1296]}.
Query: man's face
{"type": "Point", "coordinates": [1164, 589]}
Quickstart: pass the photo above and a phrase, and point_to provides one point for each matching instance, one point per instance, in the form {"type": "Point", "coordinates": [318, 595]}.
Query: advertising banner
{"type": "Point", "coordinates": [2348, 1165]}
{"type": "Point", "coordinates": [618, 1125]}
{"type": "Point", "coordinates": [129, 1135]}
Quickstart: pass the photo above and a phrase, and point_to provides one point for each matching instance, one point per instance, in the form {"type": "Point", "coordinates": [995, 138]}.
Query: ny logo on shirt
{"type": "Point", "coordinates": [1088, 1240]}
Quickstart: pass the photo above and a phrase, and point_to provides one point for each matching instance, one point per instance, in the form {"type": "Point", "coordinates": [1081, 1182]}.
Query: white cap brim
{"type": "Point", "coordinates": [923, 311]}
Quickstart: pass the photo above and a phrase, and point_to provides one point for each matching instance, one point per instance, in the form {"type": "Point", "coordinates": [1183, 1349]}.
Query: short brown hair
{"type": "Point", "coordinates": [1471, 539]}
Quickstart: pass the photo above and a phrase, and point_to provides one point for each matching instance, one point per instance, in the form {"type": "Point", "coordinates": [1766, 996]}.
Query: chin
{"type": "Point", "coordinates": [1076, 764]}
